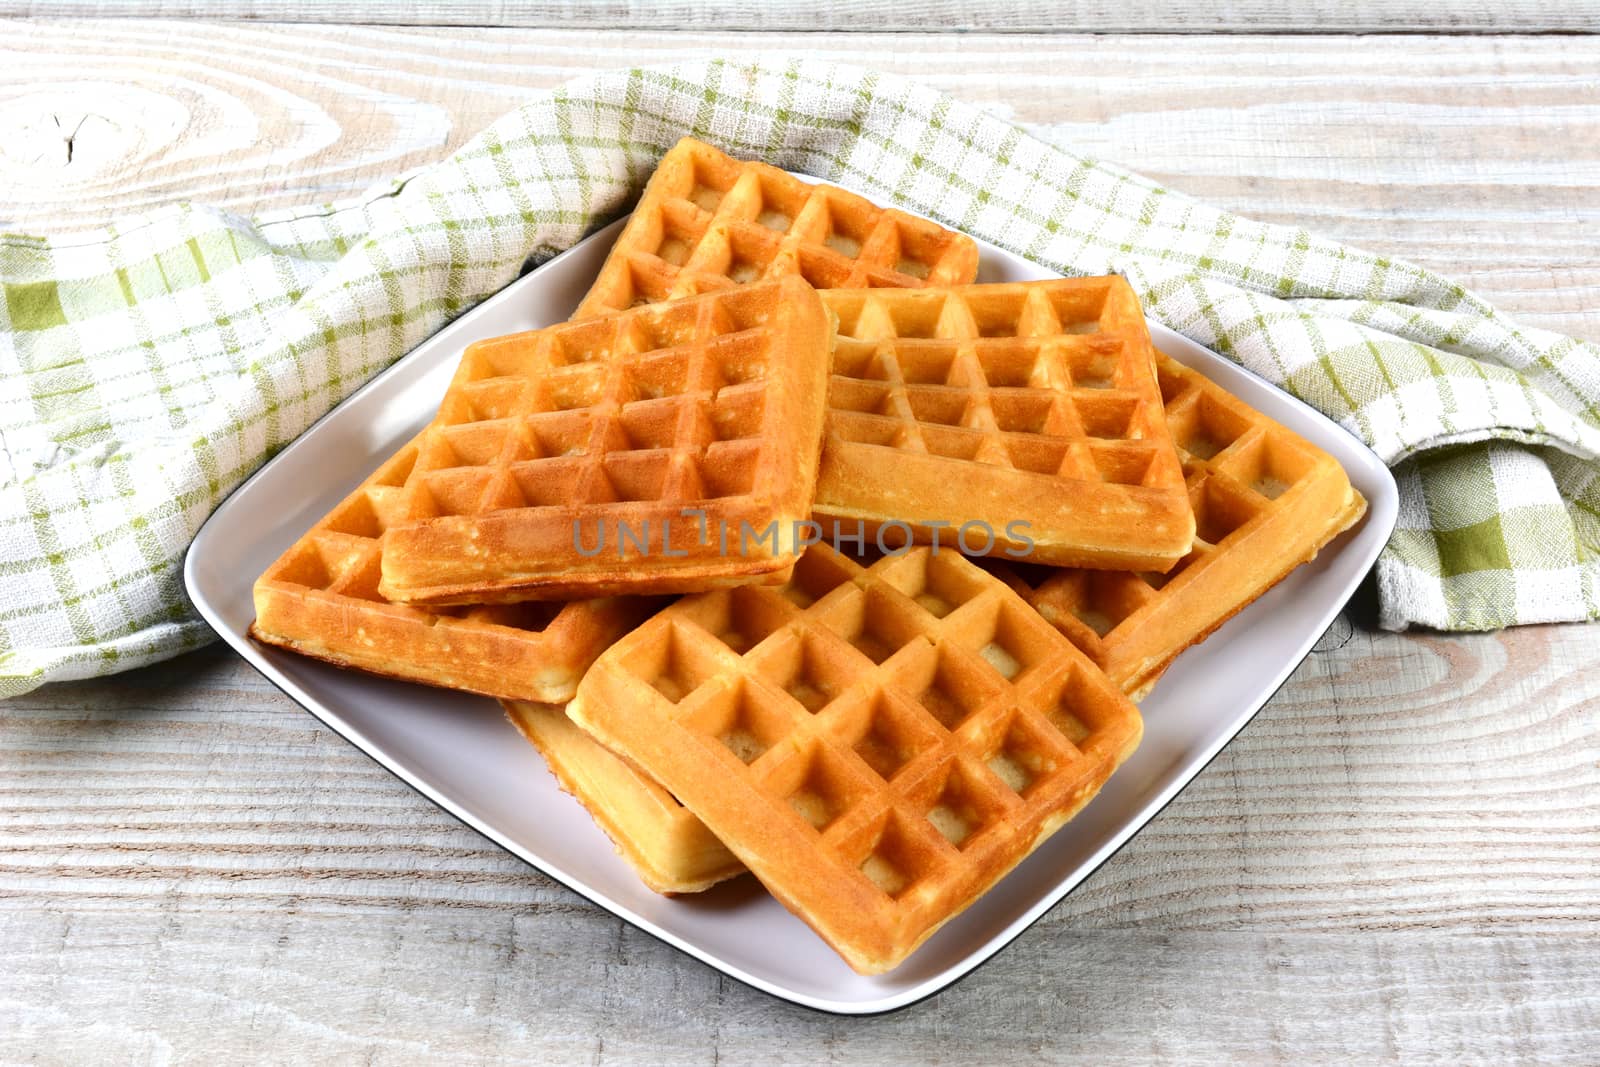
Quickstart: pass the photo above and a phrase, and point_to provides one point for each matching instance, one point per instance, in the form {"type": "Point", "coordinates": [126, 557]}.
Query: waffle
{"type": "Point", "coordinates": [1266, 500]}
{"type": "Point", "coordinates": [707, 222]}
{"type": "Point", "coordinates": [1029, 403]}
{"type": "Point", "coordinates": [671, 850]}
{"type": "Point", "coordinates": [320, 598]}
{"type": "Point", "coordinates": [667, 449]}
{"type": "Point", "coordinates": [878, 744]}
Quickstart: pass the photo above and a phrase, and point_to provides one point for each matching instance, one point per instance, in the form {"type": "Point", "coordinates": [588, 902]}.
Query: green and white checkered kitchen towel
{"type": "Point", "coordinates": [147, 368]}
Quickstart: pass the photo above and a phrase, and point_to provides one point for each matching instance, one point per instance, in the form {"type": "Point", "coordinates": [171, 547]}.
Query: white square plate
{"type": "Point", "coordinates": [460, 752]}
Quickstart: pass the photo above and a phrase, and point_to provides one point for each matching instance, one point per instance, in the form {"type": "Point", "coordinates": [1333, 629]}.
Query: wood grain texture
{"type": "Point", "coordinates": [1398, 859]}
{"type": "Point", "coordinates": [932, 16]}
{"type": "Point", "coordinates": [1476, 157]}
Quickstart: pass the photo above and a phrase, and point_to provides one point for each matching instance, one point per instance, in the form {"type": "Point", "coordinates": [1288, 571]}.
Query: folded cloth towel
{"type": "Point", "coordinates": [147, 368]}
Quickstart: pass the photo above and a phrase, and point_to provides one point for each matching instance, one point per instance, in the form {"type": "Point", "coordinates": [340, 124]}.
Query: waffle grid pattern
{"type": "Point", "coordinates": [1010, 376]}
{"type": "Point", "coordinates": [618, 420]}
{"type": "Point", "coordinates": [1242, 471]}
{"type": "Point", "coordinates": [707, 222]}
{"type": "Point", "coordinates": [664, 406]}
{"type": "Point", "coordinates": [1035, 395]}
{"type": "Point", "coordinates": [321, 598]}
{"type": "Point", "coordinates": [912, 727]}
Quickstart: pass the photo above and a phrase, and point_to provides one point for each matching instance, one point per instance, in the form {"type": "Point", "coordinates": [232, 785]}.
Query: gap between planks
{"type": "Point", "coordinates": [1468, 17]}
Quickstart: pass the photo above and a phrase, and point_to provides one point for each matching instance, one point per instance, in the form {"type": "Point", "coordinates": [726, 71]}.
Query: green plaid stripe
{"type": "Point", "coordinates": [147, 368]}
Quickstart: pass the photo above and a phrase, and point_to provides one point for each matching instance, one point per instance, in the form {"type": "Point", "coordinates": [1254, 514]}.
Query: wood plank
{"type": "Point", "coordinates": [937, 16]}
{"type": "Point", "coordinates": [564, 987]}
{"type": "Point", "coordinates": [1478, 158]}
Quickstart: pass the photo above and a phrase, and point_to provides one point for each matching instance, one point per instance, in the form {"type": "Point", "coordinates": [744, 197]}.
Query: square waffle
{"type": "Point", "coordinates": [1265, 500]}
{"type": "Point", "coordinates": [879, 744]}
{"type": "Point", "coordinates": [666, 449]}
{"type": "Point", "coordinates": [320, 598]}
{"type": "Point", "coordinates": [671, 850]}
{"type": "Point", "coordinates": [1029, 408]}
{"type": "Point", "coordinates": [708, 222]}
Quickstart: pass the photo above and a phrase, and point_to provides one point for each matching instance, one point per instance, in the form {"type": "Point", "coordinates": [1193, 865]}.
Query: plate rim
{"type": "Point", "coordinates": [1382, 512]}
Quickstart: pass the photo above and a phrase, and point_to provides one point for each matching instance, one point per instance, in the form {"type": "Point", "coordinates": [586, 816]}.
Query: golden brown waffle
{"type": "Point", "coordinates": [320, 598]}
{"type": "Point", "coordinates": [671, 850]}
{"type": "Point", "coordinates": [1266, 501]}
{"type": "Point", "coordinates": [878, 744]}
{"type": "Point", "coordinates": [707, 222]}
{"type": "Point", "coordinates": [565, 462]}
{"type": "Point", "coordinates": [1029, 403]}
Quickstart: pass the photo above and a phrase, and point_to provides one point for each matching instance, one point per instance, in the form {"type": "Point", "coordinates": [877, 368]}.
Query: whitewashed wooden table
{"type": "Point", "coordinates": [1400, 857]}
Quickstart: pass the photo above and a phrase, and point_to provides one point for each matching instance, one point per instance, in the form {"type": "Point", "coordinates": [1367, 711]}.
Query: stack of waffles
{"type": "Point", "coordinates": [796, 552]}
